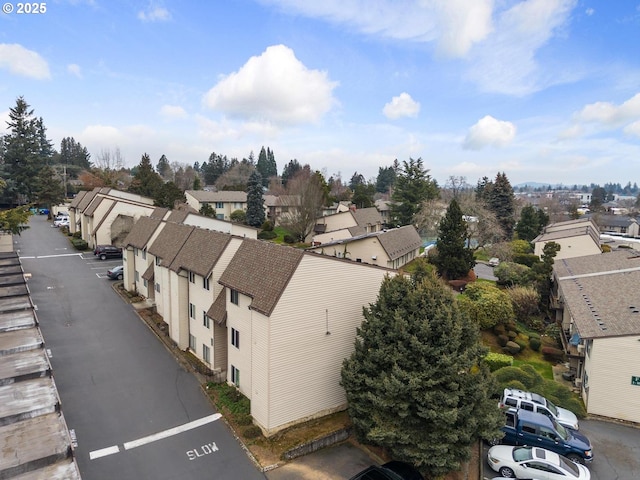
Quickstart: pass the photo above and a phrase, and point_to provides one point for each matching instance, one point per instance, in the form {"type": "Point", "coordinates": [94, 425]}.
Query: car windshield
{"type": "Point", "coordinates": [569, 466]}
{"type": "Point", "coordinates": [553, 408]}
{"type": "Point", "coordinates": [522, 454]}
{"type": "Point", "coordinates": [560, 429]}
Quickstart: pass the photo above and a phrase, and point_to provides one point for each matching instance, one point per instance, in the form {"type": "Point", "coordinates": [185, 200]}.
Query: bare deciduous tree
{"type": "Point", "coordinates": [307, 187]}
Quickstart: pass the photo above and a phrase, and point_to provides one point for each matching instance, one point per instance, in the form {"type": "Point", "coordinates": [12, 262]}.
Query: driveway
{"type": "Point", "coordinates": [134, 411]}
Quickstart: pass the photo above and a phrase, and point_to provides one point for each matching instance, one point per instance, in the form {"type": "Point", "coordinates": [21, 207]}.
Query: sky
{"type": "Point", "coordinates": [543, 90]}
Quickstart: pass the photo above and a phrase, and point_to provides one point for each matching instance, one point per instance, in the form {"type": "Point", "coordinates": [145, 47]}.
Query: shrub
{"type": "Point", "coordinates": [498, 360]}
{"type": "Point", "coordinates": [77, 234]}
{"type": "Point", "coordinates": [79, 244]}
{"type": "Point", "coordinates": [553, 354]}
{"type": "Point", "coordinates": [605, 248]}
{"type": "Point", "coordinates": [512, 348]}
{"type": "Point", "coordinates": [267, 235]}
{"type": "Point", "coordinates": [534, 344]}
{"type": "Point", "coordinates": [289, 239]}
{"type": "Point", "coordinates": [244, 419]}
{"type": "Point", "coordinates": [525, 301]}
{"type": "Point", "coordinates": [508, 374]}
{"type": "Point", "coordinates": [267, 226]}
{"type": "Point", "coordinates": [522, 343]}
{"type": "Point", "coordinates": [499, 329]}
{"type": "Point", "coordinates": [502, 340]}
{"type": "Point", "coordinates": [534, 335]}
{"type": "Point", "coordinates": [528, 259]}
{"type": "Point", "coordinates": [252, 431]}
{"type": "Point", "coordinates": [512, 335]}
{"type": "Point", "coordinates": [553, 331]}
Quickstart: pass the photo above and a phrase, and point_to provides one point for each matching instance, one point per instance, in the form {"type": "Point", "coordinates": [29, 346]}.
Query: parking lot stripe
{"type": "Point", "coordinates": [103, 452]}
{"type": "Point", "coordinates": [172, 431]}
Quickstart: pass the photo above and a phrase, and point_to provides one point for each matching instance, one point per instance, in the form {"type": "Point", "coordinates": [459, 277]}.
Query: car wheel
{"type": "Point", "coordinates": [120, 277]}
{"type": "Point", "coordinates": [103, 257]}
{"type": "Point", "coordinates": [507, 472]}
{"type": "Point", "coordinates": [574, 457]}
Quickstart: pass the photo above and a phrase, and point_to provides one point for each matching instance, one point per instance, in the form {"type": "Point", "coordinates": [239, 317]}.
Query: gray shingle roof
{"type": "Point", "coordinates": [169, 242]}
{"type": "Point", "coordinates": [616, 221]}
{"type": "Point", "coordinates": [400, 241]}
{"type": "Point", "coordinates": [159, 212]}
{"type": "Point", "coordinates": [149, 273]}
{"type": "Point", "coordinates": [90, 210]}
{"type": "Point", "coordinates": [178, 216]}
{"type": "Point", "coordinates": [601, 292]}
{"type": "Point", "coordinates": [367, 216]}
{"type": "Point", "coordinates": [86, 199]}
{"type": "Point", "coordinates": [218, 310]}
{"type": "Point", "coordinates": [262, 271]}
{"type": "Point", "coordinates": [223, 196]}
{"type": "Point", "coordinates": [79, 196]}
{"type": "Point", "coordinates": [201, 251]}
{"type": "Point", "coordinates": [141, 232]}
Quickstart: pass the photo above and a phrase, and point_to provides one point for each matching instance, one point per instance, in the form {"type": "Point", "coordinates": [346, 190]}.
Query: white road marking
{"type": "Point", "coordinates": [58, 255]}
{"type": "Point", "coordinates": [103, 452]}
{"type": "Point", "coordinates": [172, 431]}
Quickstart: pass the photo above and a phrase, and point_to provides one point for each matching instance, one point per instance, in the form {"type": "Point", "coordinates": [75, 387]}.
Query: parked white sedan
{"type": "Point", "coordinates": [534, 462]}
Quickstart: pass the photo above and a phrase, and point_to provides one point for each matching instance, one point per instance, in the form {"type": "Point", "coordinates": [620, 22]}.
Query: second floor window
{"type": "Point", "coordinates": [235, 338]}
{"type": "Point", "coordinates": [205, 283]}
{"type": "Point", "coordinates": [192, 277]}
{"type": "Point", "coordinates": [235, 297]}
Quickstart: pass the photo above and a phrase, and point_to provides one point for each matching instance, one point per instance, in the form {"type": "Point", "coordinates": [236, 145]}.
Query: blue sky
{"type": "Point", "coordinates": [543, 90]}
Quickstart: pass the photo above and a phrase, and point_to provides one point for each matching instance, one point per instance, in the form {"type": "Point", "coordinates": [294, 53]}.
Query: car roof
{"type": "Point", "coordinates": [544, 454]}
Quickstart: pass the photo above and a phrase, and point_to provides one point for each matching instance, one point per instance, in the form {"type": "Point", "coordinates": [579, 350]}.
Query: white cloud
{"type": "Point", "coordinates": [506, 63]}
{"type": "Point", "coordinates": [489, 131]}
{"type": "Point", "coordinates": [401, 106]}
{"type": "Point", "coordinates": [75, 70]}
{"type": "Point", "coordinates": [454, 25]}
{"type": "Point", "coordinates": [173, 112]}
{"type": "Point", "coordinates": [154, 13]}
{"type": "Point", "coordinates": [274, 87]}
{"type": "Point", "coordinates": [573, 131]}
{"type": "Point", "coordinates": [21, 61]}
{"type": "Point", "coordinates": [633, 129]}
{"type": "Point", "coordinates": [589, 11]}
{"type": "Point", "coordinates": [609, 114]}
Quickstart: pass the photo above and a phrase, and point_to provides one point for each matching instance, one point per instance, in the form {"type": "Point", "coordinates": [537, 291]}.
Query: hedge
{"type": "Point", "coordinates": [553, 354]}
{"type": "Point", "coordinates": [79, 244]}
{"type": "Point", "coordinates": [498, 360]}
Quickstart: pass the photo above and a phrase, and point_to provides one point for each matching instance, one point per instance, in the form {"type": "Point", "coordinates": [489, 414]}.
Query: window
{"type": "Point", "coordinates": [526, 406]}
{"type": "Point", "coordinates": [192, 277]}
{"type": "Point", "coordinates": [234, 297]}
{"type": "Point", "coordinates": [206, 355]}
{"type": "Point", "coordinates": [206, 321]}
{"type": "Point", "coordinates": [235, 338]}
{"type": "Point", "coordinates": [158, 287]}
{"type": "Point", "coordinates": [135, 252]}
{"type": "Point", "coordinates": [157, 260]}
{"type": "Point", "coordinates": [145, 283]}
{"type": "Point", "coordinates": [192, 343]}
{"type": "Point", "coordinates": [205, 282]}
{"type": "Point", "coordinates": [235, 376]}
{"type": "Point", "coordinates": [219, 204]}
{"type": "Point", "coordinates": [144, 254]}
{"type": "Point", "coordinates": [137, 275]}
{"type": "Point", "coordinates": [192, 310]}
{"type": "Point", "coordinates": [511, 402]}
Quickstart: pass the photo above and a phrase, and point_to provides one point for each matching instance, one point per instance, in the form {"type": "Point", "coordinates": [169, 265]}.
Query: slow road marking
{"type": "Point", "coordinates": [155, 436]}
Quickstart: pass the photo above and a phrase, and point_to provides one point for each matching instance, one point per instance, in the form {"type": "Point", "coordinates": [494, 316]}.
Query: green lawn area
{"type": "Point", "coordinates": [543, 368]}
{"type": "Point", "coordinates": [281, 232]}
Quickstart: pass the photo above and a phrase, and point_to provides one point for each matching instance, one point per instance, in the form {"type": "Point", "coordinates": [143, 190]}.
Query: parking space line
{"type": "Point", "coordinates": [103, 452]}
{"type": "Point", "coordinates": [172, 431]}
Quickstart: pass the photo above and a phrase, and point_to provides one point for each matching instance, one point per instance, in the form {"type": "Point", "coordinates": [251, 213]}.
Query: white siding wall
{"type": "Point", "coordinates": [128, 274]}
{"type": "Point", "coordinates": [239, 317]}
{"type": "Point", "coordinates": [571, 247]}
{"type": "Point", "coordinates": [218, 225]}
{"type": "Point", "coordinates": [304, 360]}
{"type": "Point", "coordinates": [609, 367]}
{"type": "Point", "coordinates": [338, 221]}
{"type": "Point", "coordinates": [202, 299]}
{"type": "Point", "coordinates": [331, 236]}
{"type": "Point", "coordinates": [179, 321]}
{"type": "Point", "coordinates": [163, 298]}
{"type": "Point", "coordinates": [103, 234]}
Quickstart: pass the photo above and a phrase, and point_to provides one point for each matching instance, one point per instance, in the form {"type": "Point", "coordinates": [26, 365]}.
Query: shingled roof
{"type": "Point", "coordinates": [262, 271]}
{"type": "Point", "coordinates": [159, 212]}
{"type": "Point", "coordinates": [200, 252]}
{"type": "Point", "coordinates": [178, 215]}
{"type": "Point", "coordinates": [218, 310]}
{"type": "Point", "coordinates": [76, 200]}
{"type": "Point", "coordinates": [222, 196]}
{"type": "Point", "coordinates": [601, 292]}
{"type": "Point", "coordinates": [400, 241]}
{"type": "Point", "coordinates": [367, 216]}
{"type": "Point", "coordinates": [86, 199]}
{"type": "Point", "coordinates": [141, 232]}
{"type": "Point", "coordinates": [169, 242]}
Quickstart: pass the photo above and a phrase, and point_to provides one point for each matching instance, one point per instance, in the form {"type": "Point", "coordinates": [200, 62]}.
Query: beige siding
{"type": "Point", "coordinates": [311, 331]}
{"type": "Point", "coordinates": [179, 310]}
{"type": "Point", "coordinates": [220, 347]}
{"type": "Point", "coordinates": [260, 351]}
{"type": "Point", "coordinates": [609, 367]}
{"type": "Point", "coordinates": [571, 247]}
{"type": "Point", "coordinates": [202, 299]}
{"type": "Point", "coordinates": [104, 234]}
{"type": "Point", "coordinates": [239, 317]}
{"type": "Point", "coordinates": [128, 274]}
{"type": "Point", "coordinates": [191, 201]}
{"type": "Point", "coordinates": [339, 221]}
{"type": "Point", "coordinates": [218, 225]}
{"type": "Point", "coordinates": [331, 236]}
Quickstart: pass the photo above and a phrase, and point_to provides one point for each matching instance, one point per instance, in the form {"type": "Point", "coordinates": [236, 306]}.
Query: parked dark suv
{"type": "Point", "coordinates": [107, 251]}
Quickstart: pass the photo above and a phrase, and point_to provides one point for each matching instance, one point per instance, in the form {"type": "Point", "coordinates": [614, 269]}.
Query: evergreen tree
{"type": "Point", "coordinates": [146, 181]}
{"type": "Point", "coordinates": [454, 258]}
{"type": "Point", "coordinates": [163, 167]}
{"type": "Point", "coordinates": [499, 198]}
{"type": "Point", "coordinates": [266, 166]}
{"type": "Point", "coordinates": [290, 170]}
{"type": "Point", "coordinates": [598, 198]}
{"type": "Point", "coordinates": [413, 186]}
{"type": "Point", "coordinates": [50, 188]}
{"type": "Point", "coordinates": [356, 179]}
{"type": "Point", "coordinates": [25, 151]}
{"type": "Point", "coordinates": [363, 195]}
{"type": "Point", "coordinates": [385, 180]}
{"type": "Point", "coordinates": [529, 227]}
{"type": "Point", "coordinates": [255, 202]}
{"type": "Point", "coordinates": [416, 384]}
{"type": "Point", "coordinates": [168, 194]}
{"type": "Point", "coordinates": [73, 153]}
{"type": "Point", "coordinates": [214, 168]}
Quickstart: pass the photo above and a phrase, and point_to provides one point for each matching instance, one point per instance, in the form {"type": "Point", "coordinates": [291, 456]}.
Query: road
{"type": "Point", "coordinates": [135, 412]}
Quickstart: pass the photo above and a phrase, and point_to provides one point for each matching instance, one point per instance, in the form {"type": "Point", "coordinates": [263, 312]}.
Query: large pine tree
{"type": "Point", "coordinates": [146, 181]}
{"type": "Point", "coordinates": [413, 186]}
{"type": "Point", "coordinates": [454, 258]}
{"type": "Point", "coordinates": [266, 165]}
{"type": "Point", "coordinates": [416, 384]}
{"type": "Point", "coordinates": [255, 202]}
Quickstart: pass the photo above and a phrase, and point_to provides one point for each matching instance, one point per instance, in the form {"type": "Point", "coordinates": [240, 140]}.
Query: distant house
{"type": "Point", "coordinates": [291, 320]}
{"type": "Point", "coordinates": [387, 248]}
{"type": "Point", "coordinates": [224, 202]}
{"type": "Point", "coordinates": [597, 304]}
{"type": "Point", "coordinates": [576, 238]}
{"type": "Point", "coordinates": [346, 224]}
{"type": "Point", "coordinates": [618, 224]}
{"type": "Point", "coordinates": [384, 207]}
{"type": "Point", "coordinates": [278, 205]}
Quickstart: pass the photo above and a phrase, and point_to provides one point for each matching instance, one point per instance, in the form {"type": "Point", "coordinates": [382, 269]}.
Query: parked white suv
{"type": "Point", "coordinates": [512, 397]}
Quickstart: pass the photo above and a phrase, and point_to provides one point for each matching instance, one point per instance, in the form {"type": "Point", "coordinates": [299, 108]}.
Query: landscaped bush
{"type": "Point", "coordinates": [252, 431]}
{"type": "Point", "coordinates": [553, 332]}
{"type": "Point", "coordinates": [534, 344]}
{"type": "Point", "coordinates": [79, 244]}
{"type": "Point", "coordinates": [553, 354]}
{"type": "Point", "coordinates": [244, 419]}
{"type": "Point", "coordinates": [522, 343]}
{"type": "Point", "coordinates": [508, 374]}
{"type": "Point", "coordinates": [289, 239]}
{"type": "Point", "coordinates": [528, 259]}
{"type": "Point", "coordinates": [512, 335]}
{"type": "Point", "coordinates": [267, 226]}
{"type": "Point", "coordinates": [267, 235]}
{"type": "Point", "coordinates": [534, 335]}
{"type": "Point", "coordinates": [512, 347]}
{"type": "Point", "coordinates": [496, 361]}
{"type": "Point", "coordinates": [502, 340]}
{"type": "Point", "coordinates": [77, 234]}
{"type": "Point", "coordinates": [499, 329]}
{"type": "Point", "coordinates": [486, 304]}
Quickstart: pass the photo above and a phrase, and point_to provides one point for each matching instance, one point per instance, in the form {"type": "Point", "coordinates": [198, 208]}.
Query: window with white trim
{"type": "Point", "coordinates": [206, 321]}
{"type": "Point", "coordinates": [235, 297]}
{"type": "Point", "coordinates": [206, 355]}
{"type": "Point", "coordinates": [235, 376]}
{"type": "Point", "coordinates": [235, 338]}
{"type": "Point", "coordinates": [192, 310]}
{"type": "Point", "coordinates": [192, 277]}
{"type": "Point", "coordinates": [206, 282]}
{"type": "Point", "coordinates": [192, 343]}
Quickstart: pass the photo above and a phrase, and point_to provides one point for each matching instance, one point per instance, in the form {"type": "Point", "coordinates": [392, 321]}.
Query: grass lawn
{"type": "Point", "coordinates": [543, 368]}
